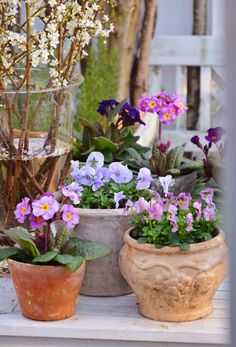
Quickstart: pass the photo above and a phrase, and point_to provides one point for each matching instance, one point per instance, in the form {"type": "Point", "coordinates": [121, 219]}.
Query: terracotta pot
{"type": "Point", "coordinates": [106, 226]}
{"type": "Point", "coordinates": [44, 292]}
{"type": "Point", "coordinates": [184, 183]}
{"type": "Point", "coordinates": [172, 285]}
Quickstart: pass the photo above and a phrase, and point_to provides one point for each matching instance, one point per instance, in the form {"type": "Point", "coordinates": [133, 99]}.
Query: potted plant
{"type": "Point", "coordinates": [40, 54]}
{"type": "Point", "coordinates": [47, 264]}
{"type": "Point", "coordinates": [113, 137]}
{"type": "Point", "coordinates": [102, 195]}
{"type": "Point", "coordinates": [175, 256]}
{"type": "Point", "coordinates": [165, 160]}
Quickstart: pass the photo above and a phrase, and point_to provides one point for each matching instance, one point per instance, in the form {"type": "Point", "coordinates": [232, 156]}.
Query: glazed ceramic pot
{"type": "Point", "coordinates": [184, 183]}
{"type": "Point", "coordinates": [46, 293]}
{"type": "Point", "coordinates": [170, 284]}
{"type": "Point", "coordinates": [105, 226]}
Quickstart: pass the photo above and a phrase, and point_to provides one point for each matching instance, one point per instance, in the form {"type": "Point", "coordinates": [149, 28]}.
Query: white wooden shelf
{"type": "Point", "coordinates": [112, 322]}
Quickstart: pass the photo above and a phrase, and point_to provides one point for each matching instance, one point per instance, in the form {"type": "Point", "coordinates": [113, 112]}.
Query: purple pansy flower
{"type": "Point", "coordinates": [22, 210]}
{"type": "Point", "coordinates": [207, 195]}
{"type": "Point", "coordinates": [45, 206]}
{"type": "Point", "coordinates": [36, 222]}
{"type": "Point", "coordinates": [184, 200]}
{"type": "Point", "coordinates": [166, 115]}
{"type": "Point", "coordinates": [128, 116]}
{"type": "Point", "coordinates": [144, 178]}
{"type": "Point", "coordinates": [209, 214]}
{"type": "Point", "coordinates": [189, 221]}
{"type": "Point", "coordinates": [118, 197]}
{"type": "Point", "coordinates": [141, 205]}
{"type": "Point", "coordinates": [120, 173]}
{"type": "Point", "coordinates": [106, 106]}
{"type": "Point", "coordinates": [196, 141]}
{"type": "Point", "coordinates": [95, 160]}
{"type": "Point", "coordinates": [70, 216]}
{"type": "Point", "coordinates": [155, 211]}
{"type": "Point", "coordinates": [198, 206]}
{"type": "Point", "coordinates": [173, 222]}
{"type": "Point", "coordinates": [215, 134]}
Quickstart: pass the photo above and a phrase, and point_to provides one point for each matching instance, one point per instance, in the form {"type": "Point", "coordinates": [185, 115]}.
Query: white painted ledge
{"type": "Point", "coordinates": [112, 322]}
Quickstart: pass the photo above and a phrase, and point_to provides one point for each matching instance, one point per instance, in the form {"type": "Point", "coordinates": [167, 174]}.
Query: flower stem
{"type": "Point", "coordinates": [159, 131]}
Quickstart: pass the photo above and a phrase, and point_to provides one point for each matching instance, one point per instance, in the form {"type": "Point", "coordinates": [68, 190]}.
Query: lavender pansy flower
{"type": "Point", "coordinates": [45, 206]}
{"type": "Point", "coordinates": [141, 205]}
{"type": "Point", "coordinates": [166, 182]}
{"type": "Point", "coordinates": [215, 134]}
{"type": "Point", "coordinates": [22, 210]}
{"type": "Point", "coordinates": [209, 214]}
{"type": "Point", "coordinates": [95, 160]}
{"type": "Point", "coordinates": [75, 169]}
{"type": "Point", "coordinates": [173, 222]}
{"type": "Point", "coordinates": [118, 197]}
{"type": "Point", "coordinates": [120, 173]}
{"type": "Point", "coordinates": [144, 179]}
{"type": "Point", "coordinates": [207, 195]}
{"type": "Point", "coordinates": [128, 205]}
{"type": "Point", "coordinates": [189, 221]}
{"type": "Point", "coordinates": [155, 211]}
{"type": "Point", "coordinates": [70, 216]}
{"type": "Point", "coordinates": [86, 175]}
{"type": "Point", "coordinates": [73, 191]}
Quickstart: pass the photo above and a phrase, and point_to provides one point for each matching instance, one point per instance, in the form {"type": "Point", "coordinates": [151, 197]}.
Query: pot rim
{"type": "Point", "coordinates": [102, 212]}
{"type": "Point", "coordinates": [46, 267]}
{"type": "Point", "coordinates": [194, 248]}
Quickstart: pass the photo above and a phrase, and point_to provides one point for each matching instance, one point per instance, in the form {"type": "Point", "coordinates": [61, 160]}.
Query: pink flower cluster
{"type": "Point", "coordinates": [177, 210]}
{"type": "Point", "coordinates": [167, 107]}
{"type": "Point", "coordinates": [45, 209]}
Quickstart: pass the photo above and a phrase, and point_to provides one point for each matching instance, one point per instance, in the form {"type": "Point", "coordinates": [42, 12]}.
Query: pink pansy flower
{"type": "Point", "coordinates": [198, 206]}
{"type": "Point", "coordinates": [209, 214]}
{"type": "Point", "coordinates": [155, 211]}
{"type": "Point", "coordinates": [207, 195]}
{"type": "Point", "coordinates": [45, 206]}
{"type": "Point", "coordinates": [22, 210]}
{"type": "Point", "coordinates": [189, 221]}
{"type": "Point", "coordinates": [141, 205]}
{"type": "Point", "coordinates": [184, 200]}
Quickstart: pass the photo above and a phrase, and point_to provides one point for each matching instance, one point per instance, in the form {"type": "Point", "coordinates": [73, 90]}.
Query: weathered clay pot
{"type": "Point", "coordinates": [44, 292]}
{"type": "Point", "coordinates": [172, 285]}
{"type": "Point", "coordinates": [106, 226]}
{"type": "Point", "coordinates": [184, 183]}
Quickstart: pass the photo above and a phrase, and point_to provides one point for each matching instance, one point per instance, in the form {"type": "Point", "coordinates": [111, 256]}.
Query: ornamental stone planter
{"type": "Point", "coordinates": [184, 183]}
{"type": "Point", "coordinates": [46, 293]}
{"type": "Point", "coordinates": [106, 226]}
{"type": "Point", "coordinates": [172, 285]}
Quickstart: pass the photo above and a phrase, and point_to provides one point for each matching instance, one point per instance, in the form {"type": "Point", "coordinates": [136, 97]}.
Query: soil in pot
{"type": "Point", "coordinates": [46, 293]}
{"type": "Point", "coordinates": [173, 285]}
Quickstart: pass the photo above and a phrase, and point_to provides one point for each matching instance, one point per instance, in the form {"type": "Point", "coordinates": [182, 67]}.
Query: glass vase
{"type": "Point", "coordinates": [35, 141]}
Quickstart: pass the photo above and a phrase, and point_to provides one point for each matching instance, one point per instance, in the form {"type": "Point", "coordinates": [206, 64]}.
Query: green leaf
{"type": "Point", "coordinates": [45, 258]}
{"type": "Point", "coordinates": [64, 258]}
{"type": "Point", "coordinates": [174, 157]}
{"type": "Point", "coordinates": [24, 239]}
{"type": "Point", "coordinates": [6, 253]}
{"type": "Point", "coordinates": [158, 162]}
{"type": "Point", "coordinates": [75, 263]}
{"type": "Point", "coordinates": [89, 250]}
{"type": "Point", "coordinates": [107, 156]}
{"type": "Point", "coordinates": [61, 238]}
{"type": "Point", "coordinates": [101, 143]}
{"type": "Point", "coordinates": [173, 172]}
{"type": "Point", "coordinates": [142, 240]}
{"type": "Point", "coordinates": [88, 125]}
{"type": "Point", "coordinates": [191, 165]}
{"type": "Point", "coordinates": [184, 246]}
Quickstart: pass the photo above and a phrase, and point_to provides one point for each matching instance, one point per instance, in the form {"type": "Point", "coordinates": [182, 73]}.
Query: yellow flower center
{"type": "Point", "coordinates": [45, 207]}
{"type": "Point", "coordinates": [181, 105]}
{"type": "Point", "coordinates": [152, 104]}
{"type": "Point", "coordinates": [167, 116]}
{"type": "Point", "coordinates": [38, 219]}
{"type": "Point", "coordinates": [213, 137]}
{"type": "Point", "coordinates": [69, 216]}
{"type": "Point", "coordinates": [23, 209]}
